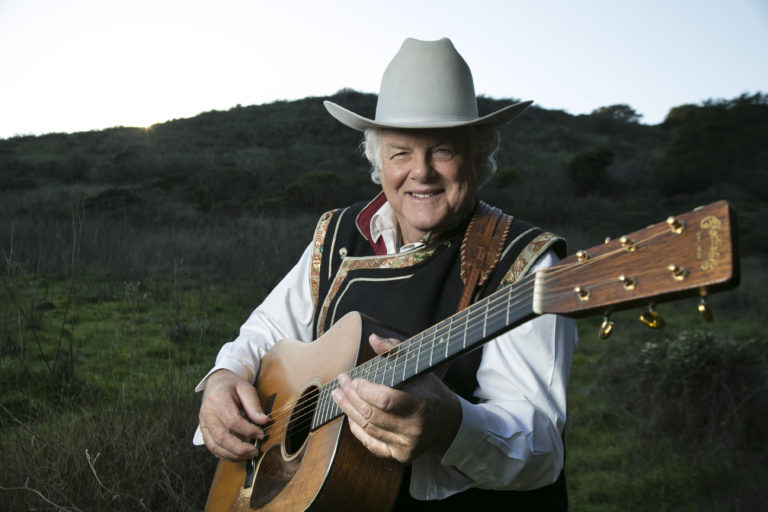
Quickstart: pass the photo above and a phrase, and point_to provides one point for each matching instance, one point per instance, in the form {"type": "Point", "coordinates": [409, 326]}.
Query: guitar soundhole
{"type": "Point", "coordinates": [300, 423]}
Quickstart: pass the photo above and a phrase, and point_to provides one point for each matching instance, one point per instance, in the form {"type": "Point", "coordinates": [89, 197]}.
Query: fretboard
{"type": "Point", "coordinates": [452, 337]}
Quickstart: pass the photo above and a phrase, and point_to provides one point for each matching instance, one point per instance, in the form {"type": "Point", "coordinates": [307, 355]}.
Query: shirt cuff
{"type": "Point", "coordinates": [472, 430]}
{"type": "Point", "coordinates": [232, 365]}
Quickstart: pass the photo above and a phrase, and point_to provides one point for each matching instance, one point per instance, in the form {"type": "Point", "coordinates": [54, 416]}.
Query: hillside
{"type": "Point", "coordinates": [131, 255]}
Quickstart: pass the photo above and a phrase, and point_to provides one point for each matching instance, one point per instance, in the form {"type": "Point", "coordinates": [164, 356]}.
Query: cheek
{"type": "Point", "coordinates": [391, 178]}
{"type": "Point", "coordinates": [465, 180]}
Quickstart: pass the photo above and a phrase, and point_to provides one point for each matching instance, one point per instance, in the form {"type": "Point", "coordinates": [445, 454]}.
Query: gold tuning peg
{"type": "Point", "coordinates": [705, 310]}
{"type": "Point", "coordinates": [652, 319]}
{"type": "Point", "coordinates": [606, 328]}
{"type": "Point", "coordinates": [628, 244]}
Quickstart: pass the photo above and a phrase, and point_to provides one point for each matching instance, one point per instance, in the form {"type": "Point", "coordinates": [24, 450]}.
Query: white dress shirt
{"type": "Point", "coordinates": [511, 440]}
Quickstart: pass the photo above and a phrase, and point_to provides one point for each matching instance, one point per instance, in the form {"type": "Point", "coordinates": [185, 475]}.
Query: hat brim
{"type": "Point", "coordinates": [358, 122]}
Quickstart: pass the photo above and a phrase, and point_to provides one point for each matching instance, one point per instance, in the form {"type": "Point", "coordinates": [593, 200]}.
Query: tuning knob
{"type": "Point", "coordinates": [705, 310]}
{"type": "Point", "coordinates": [628, 244]}
{"type": "Point", "coordinates": [583, 294]}
{"type": "Point", "coordinates": [677, 226]}
{"type": "Point", "coordinates": [627, 282]}
{"type": "Point", "coordinates": [652, 319]}
{"type": "Point", "coordinates": [678, 273]}
{"type": "Point", "coordinates": [606, 328]}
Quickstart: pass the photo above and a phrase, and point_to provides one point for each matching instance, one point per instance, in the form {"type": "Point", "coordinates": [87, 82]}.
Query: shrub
{"type": "Point", "coordinates": [588, 170]}
{"type": "Point", "coordinates": [506, 176]}
{"type": "Point", "coordinates": [705, 388]}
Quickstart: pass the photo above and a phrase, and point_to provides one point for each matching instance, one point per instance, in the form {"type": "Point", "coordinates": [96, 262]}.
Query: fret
{"type": "Point", "coordinates": [377, 366]}
{"type": "Point", "coordinates": [485, 318]}
{"type": "Point", "coordinates": [319, 416]}
{"type": "Point", "coordinates": [466, 327]}
{"type": "Point", "coordinates": [316, 416]}
{"type": "Point", "coordinates": [405, 362]}
{"type": "Point", "coordinates": [430, 348]}
{"type": "Point", "coordinates": [509, 304]}
{"type": "Point", "coordinates": [418, 357]}
{"type": "Point", "coordinates": [431, 353]}
{"type": "Point", "coordinates": [328, 401]}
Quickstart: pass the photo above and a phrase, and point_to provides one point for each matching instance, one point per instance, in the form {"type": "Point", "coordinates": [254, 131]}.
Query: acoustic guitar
{"type": "Point", "coordinates": [309, 459]}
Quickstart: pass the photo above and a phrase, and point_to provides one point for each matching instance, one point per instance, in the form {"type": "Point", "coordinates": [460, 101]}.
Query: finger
{"type": "Point", "coordinates": [249, 401]}
{"type": "Point", "coordinates": [221, 409]}
{"type": "Point", "coordinates": [369, 406]}
{"type": "Point", "coordinates": [384, 398]}
{"type": "Point", "coordinates": [224, 445]}
{"type": "Point", "coordinates": [346, 398]}
{"type": "Point", "coordinates": [373, 444]}
{"type": "Point", "coordinates": [380, 344]}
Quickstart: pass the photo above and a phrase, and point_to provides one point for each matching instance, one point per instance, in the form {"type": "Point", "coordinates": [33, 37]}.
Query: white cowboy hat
{"type": "Point", "coordinates": [427, 85]}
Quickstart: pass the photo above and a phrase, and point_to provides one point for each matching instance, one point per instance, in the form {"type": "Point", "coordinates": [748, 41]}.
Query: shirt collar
{"type": "Point", "coordinates": [384, 226]}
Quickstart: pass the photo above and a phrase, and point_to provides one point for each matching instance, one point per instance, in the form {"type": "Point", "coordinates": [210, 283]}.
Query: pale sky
{"type": "Point", "coordinates": [76, 65]}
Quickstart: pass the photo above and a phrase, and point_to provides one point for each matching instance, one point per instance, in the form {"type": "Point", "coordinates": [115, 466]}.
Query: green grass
{"type": "Point", "coordinates": [636, 442]}
{"type": "Point", "coordinates": [97, 407]}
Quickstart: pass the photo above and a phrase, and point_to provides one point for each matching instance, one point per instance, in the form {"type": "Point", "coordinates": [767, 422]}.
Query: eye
{"type": "Point", "coordinates": [443, 153]}
{"type": "Point", "coordinates": [398, 155]}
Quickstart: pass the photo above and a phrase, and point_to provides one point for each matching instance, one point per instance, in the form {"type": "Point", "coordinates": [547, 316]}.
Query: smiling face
{"type": "Point", "coordinates": [428, 177]}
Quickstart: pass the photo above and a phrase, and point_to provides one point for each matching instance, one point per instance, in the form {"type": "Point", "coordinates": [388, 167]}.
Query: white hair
{"type": "Point", "coordinates": [484, 143]}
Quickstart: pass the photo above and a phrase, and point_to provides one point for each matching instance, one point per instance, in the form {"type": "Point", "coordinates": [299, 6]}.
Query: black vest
{"type": "Point", "coordinates": [411, 292]}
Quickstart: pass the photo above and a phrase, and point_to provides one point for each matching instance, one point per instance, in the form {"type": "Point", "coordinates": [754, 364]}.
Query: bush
{"type": "Point", "coordinates": [706, 388]}
{"type": "Point", "coordinates": [316, 191]}
{"type": "Point", "coordinates": [588, 170]}
{"type": "Point", "coordinates": [506, 176]}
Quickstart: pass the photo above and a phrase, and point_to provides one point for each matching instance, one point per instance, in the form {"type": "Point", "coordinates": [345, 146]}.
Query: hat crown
{"type": "Point", "coordinates": [427, 85]}
{"type": "Point", "coordinates": [426, 81]}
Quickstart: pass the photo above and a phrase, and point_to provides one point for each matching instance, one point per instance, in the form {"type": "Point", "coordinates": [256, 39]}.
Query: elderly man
{"type": "Point", "coordinates": [485, 430]}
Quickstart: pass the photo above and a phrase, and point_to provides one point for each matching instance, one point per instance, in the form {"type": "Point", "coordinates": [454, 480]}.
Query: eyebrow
{"type": "Point", "coordinates": [395, 146]}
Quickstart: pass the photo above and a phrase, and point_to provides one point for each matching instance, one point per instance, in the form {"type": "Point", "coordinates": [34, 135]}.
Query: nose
{"type": "Point", "coordinates": [422, 170]}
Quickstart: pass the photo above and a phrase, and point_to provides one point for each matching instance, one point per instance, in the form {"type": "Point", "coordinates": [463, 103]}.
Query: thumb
{"type": "Point", "coordinates": [381, 345]}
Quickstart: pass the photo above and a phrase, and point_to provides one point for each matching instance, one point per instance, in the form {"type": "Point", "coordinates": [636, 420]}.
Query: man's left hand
{"type": "Point", "coordinates": [399, 423]}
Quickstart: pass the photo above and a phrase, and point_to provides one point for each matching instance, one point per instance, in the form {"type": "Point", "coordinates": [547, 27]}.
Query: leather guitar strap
{"type": "Point", "coordinates": [481, 249]}
{"type": "Point", "coordinates": [480, 252]}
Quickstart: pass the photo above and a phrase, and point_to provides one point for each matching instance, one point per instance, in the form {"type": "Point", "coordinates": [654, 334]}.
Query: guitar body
{"type": "Point", "coordinates": [325, 469]}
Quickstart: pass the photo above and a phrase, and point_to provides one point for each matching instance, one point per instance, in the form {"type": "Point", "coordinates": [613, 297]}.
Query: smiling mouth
{"type": "Point", "coordinates": [426, 195]}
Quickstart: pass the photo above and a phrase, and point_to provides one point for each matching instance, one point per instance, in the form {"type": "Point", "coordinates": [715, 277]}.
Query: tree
{"type": "Point", "coordinates": [620, 112]}
{"type": "Point", "coordinates": [721, 141]}
{"type": "Point", "coordinates": [588, 170]}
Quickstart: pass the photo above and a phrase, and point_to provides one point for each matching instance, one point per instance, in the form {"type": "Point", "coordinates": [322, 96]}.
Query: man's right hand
{"type": "Point", "coordinates": [231, 412]}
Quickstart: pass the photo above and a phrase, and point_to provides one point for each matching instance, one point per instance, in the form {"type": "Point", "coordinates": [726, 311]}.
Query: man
{"type": "Point", "coordinates": [489, 432]}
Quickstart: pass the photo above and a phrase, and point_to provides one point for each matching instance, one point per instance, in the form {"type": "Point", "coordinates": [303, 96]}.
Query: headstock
{"type": "Point", "coordinates": [691, 254]}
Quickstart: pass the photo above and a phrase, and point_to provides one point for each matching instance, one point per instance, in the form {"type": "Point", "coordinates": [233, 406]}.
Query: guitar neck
{"type": "Point", "coordinates": [692, 254]}
{"type": "Point", "coordinates": [447, 340]}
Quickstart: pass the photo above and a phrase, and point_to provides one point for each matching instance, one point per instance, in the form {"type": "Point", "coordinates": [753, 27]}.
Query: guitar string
{"type": "Point", "coordinates": [401, 358]}
{"type": "Point", "coordinates": [491, 306]}
{"type": "Point", "coordinates": [397, 360]}
{"type": "Point", "coordinates": [390, 358]}
{"type": "Point", "coordinates": [393, 360]}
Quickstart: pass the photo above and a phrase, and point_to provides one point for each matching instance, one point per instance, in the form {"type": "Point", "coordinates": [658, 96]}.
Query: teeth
{"type": "Point", "coordinates": [422, 196]}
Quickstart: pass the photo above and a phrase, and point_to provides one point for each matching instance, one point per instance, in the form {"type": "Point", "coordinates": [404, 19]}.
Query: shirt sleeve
{"type": "Point", "coordinates": [511, 439]}
{"type": "Point", "coordinates": [285, 313]}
